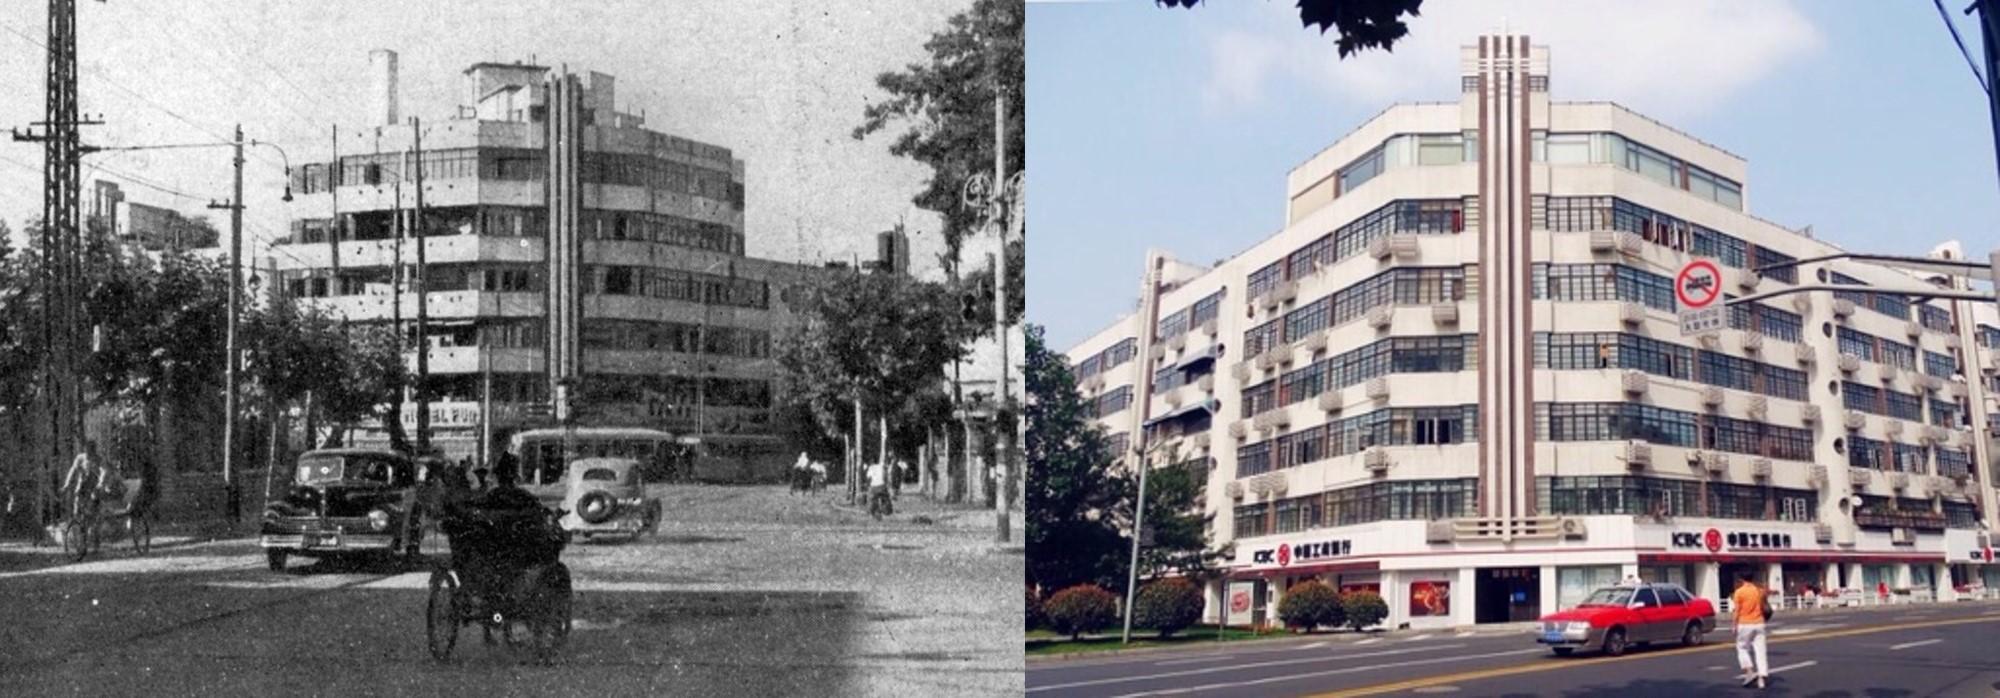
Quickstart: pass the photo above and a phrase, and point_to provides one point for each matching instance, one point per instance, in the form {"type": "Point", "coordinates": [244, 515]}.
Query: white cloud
{"type": "Point", "coordinates": [1671, 59]}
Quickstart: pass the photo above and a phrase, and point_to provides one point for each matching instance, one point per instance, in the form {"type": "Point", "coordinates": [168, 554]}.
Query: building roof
{"type": "Point", "coordinates": [497, 64]}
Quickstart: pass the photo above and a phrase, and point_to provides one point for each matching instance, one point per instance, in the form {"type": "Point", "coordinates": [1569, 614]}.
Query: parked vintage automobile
{"type": "Point", "coordinates": [1614, 618]}
{"type": "Point", "coordinates": [345, 501]}
{"type": "Point", "coordinates": [608, 496]}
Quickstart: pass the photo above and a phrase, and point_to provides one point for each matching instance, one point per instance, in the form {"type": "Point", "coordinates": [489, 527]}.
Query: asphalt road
{"type": "Point", "coordinates": [1921, 650]}
{"type": "Point", "coordinates": [746, 591]}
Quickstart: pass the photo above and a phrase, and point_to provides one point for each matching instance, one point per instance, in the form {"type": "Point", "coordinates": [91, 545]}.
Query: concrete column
{"type": "Point", "coordinates": [1628, 570]}
{"type": "Point", "coordinates": [1216, 593]}
{"type": "Point", "coordinates": [1398, 599]}
{"type": "Point", "coordinates": [1774, 580]}
{"type": "Point", "coordinates": [1830, 579]}
{"type": "Point", "coordinates": [1548, 590]}
{"type": "Point", "coordinates": [1947, 588]}
{"type": "Point", "coordinates": [1854, 578]}
{"type": "Point", "coordinates": [1708, 581]}
{"type": "Point", "coordinates": [1902, 577]}
{"type": "Point", "coordinates": [1463, 607]}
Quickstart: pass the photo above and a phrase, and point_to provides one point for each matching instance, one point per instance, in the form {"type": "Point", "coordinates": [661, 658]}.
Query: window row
{"type": "Point", "coordinates": [1403, 426]}
{"type": "Point", "coordinates": [1422, 500]}
{"type": "Point", "coordinates": [674, 284]}
{"type": "Point", "coordinates": [1441, 354]}
{"type": "Point", "coordinates": [1410, 216]}
{"type": "Point", "coordinates": [1602, 282]}
{"type": "Point", "coordinates": [1612, 421]}
{"type": "Point", "coordinates": [1892, 305]}
{"type": "Point", "coordinates": [1588, 213]}
{"type": "Point", "coordinates": [1114, 401]}
{"type": "Point", "coordinates": [1111, 357]}
{"type": "Point", "coordinates": [1614, 149]}
{"type": "Point", "coordinates": [685, 338]}
{"type": "Point", "coordinates": [520, 164]}
{"type": "Point", "coordinates": [1603, 350]}
{"type": "Point", "coordinates": [1654, 496]}
{"type": "Point", "coordinates": [1397, 286]}
{"type": "Point", "coordinates": [1180, 321]}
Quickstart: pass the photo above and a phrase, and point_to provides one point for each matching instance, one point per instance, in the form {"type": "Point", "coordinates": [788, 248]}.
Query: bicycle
{"type": "Point", "coordinates": [81, 532]}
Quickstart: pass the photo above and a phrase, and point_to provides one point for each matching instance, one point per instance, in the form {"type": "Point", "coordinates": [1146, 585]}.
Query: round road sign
{"type": "Point", "coordinates": [1698, 284]}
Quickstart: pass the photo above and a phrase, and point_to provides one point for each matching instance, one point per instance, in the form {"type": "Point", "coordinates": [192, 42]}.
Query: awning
{"type": "Point", "coordinates": [1184, 410]}
{"type": "Point", "coordinates": [1884, 557]}
{"type": "Point", "coordinates": [1190, 358]}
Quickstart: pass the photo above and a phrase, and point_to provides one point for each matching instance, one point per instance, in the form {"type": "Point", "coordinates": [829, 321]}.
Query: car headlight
{"type": "Point", "coordinates": [378, 519]}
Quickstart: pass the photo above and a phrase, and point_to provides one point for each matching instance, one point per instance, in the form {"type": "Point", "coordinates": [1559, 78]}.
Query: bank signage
{"type": "Point", "coordinates": [1286, 553]}
{"type": "Point", "coordinates": [1716, 540]}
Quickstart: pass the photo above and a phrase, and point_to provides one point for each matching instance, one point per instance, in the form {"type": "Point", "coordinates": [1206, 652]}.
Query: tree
{"type": "Point", "coordinates": [1167, 606]}
{"type": "Point", "coordinates": [1073, 489]}
{"type": "Point", "coordinates": [1084, 608]}
{"type": "Point", "coordinates": [946, 110]}
{"type": "Point", "coordinates": [1363, 609]}
{"type": "Point", "coordinates": [1310, 604]}
{"type": "Point", "coordinates": [1180, 527]}
{"type": "Point", "coordinates": [1359, 24]}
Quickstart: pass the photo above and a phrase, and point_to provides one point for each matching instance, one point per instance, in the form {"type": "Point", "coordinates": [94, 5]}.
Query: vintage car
{"type": "Point", "coordinates": [345, 501]}
{"type": "Point", "coordinates": [608, 496]}
{"type": "Point", "coordinates": [1614, 618]}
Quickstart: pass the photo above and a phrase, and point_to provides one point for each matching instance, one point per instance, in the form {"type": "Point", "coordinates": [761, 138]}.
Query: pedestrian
{"type": "Point", "coordinates": [1604, 355]}
{"type": "Point", "coordinates": [818, 476]}
{"type": "Point", "coordinates": [1748, 605]}
{"type": "Point", "coordinates": [878, 488]}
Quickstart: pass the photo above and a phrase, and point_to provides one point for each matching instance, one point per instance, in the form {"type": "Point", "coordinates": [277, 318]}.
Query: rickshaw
{"type": "Point", "coordinates": [82, 535]}
{"type": "Point", "coordinates": [504, 571]}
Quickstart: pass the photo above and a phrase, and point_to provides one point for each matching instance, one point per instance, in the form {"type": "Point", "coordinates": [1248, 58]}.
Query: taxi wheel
{"type": "Point", "coordinates": [1691, 636]}
{"type": "Point", "coordinates": [275, 558]}
{"type": "Point", "coordinates": [1614, 642]}
{"type": "Point", "coordinates": [1563, 651]}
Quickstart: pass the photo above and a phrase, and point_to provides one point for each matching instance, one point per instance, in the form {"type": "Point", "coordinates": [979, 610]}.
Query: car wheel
{"type": "Point", "coordinates": [1563, 651]}
{"type": "Point", "coordinates": [1691, 636]}
{"type": "Point", "coordinates": [275, 557]}
{"type": "Point", "coordinates": [1614, 642]}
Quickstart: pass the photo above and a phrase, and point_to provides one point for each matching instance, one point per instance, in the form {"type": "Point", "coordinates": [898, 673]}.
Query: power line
{"type": "Point", "coordinates": [1969, 63]}
{"type": "Point", "coordinates": [211, 48]}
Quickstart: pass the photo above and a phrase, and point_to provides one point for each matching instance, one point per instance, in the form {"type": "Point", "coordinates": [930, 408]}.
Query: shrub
{"type": "Point", "coordinates": [1168, 605]}
{"type": "Point", "coordinates": [1034, 609]}
{"type": "Point", "coordinates": [1080, 609]}
{"type": "Point", "coordinates": [1309, 604]}
{"type": "Point", "coordinates": [1363, 609]}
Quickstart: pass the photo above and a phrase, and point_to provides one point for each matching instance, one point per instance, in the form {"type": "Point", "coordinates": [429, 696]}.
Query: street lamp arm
{"type": "Point", "coordinates": [1953, 294]}
{"type": "Point", "coordinates": [1949, 267]}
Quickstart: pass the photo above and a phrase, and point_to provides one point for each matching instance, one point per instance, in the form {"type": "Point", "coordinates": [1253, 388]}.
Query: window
{"type": "Point", "coordinates": [1363, 168]}
{"type": "Point", "coordinates": [1568, 148]}
{"type": "Point", "coordinates": [1908, 458]}
{"type": "Point", "coordinates": [1953, 462]}
{"type": "Point", "coordinates": [1944, 413]}
{"type": "Point", "coordinates": [1897, 354]}
{"type": "Point", "coordinates": [1866, 453]}
{"type": "Point", "coordinates": [1114, 401]}
{"type": "Point", "coordinates": [1440, 149]}
{"type": "Point", "coordinates": [1172, 326]}
{"type": "Point", "coordinates": [1250, 520]}
{"type": "Point", "coordinates": [1856, 344]}
{"type": "Point", "coordinates": [1903, 405]}
{"type": "Point", "coordinates": [1601, 282]}
{"type": "Point", "coordinates": [1940, 365]}
{"type": "Point", "coordinates": [1205, 310]}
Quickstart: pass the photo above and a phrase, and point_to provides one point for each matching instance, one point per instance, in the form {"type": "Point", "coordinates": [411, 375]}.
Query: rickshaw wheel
{"type": "Point", "coordinates": [441, 618]}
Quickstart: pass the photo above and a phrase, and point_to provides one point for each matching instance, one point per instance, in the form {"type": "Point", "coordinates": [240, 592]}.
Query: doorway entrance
{"type": "Point", "coordinates": [1507, 594]}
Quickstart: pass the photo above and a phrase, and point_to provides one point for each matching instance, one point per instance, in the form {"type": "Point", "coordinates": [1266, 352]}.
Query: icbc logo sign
{"type": "Point", "coordinates": [1715, 540]}
{"type": "Point", "coordinates": [1284, 554]}
{"type": "Point", "coordinates": [1712, 539]}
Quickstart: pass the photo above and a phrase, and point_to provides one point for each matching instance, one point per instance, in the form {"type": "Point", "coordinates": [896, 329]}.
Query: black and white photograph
{"type": "Point", "coordinates": [482, 347]}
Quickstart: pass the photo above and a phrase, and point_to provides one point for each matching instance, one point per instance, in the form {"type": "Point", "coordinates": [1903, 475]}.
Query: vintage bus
{"type": "Point", "coordinates": [544, 453]}
{"type": "Point", "coordinates": [740, 458]}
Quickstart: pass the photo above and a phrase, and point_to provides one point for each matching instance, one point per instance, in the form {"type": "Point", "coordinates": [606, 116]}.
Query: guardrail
{"type": "Point", "coordinates": [1856, 598]}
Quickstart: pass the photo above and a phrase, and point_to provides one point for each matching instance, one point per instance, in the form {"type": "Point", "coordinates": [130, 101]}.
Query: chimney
{"type": "Point", "coordinates": [382, 107]}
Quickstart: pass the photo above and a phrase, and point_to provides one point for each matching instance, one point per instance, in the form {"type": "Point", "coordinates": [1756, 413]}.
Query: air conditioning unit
{"type": "Point", "coordinates": [1747, 280]}
{"type": "Point", "coordinates": [1199, 442]}
{"type": "Point", "coordinates": [1951, 340]}
{"type": "Point", "coordinates": [1711, 396]}
{"type": "Point", "coordinates": [1269, 359]}
{"type": "Point", "coordinates": [1709, 340]}
{"type": "Point", "coordinates": [1265, 422]}
{"type": "Point", "coordinates": [1859, 476]}
{"type": "Point", "coordinates": [1638, 454]}
{"type": "Point", "coordinates": [1329, 401]}
{"type": "Point", "coordinates": [1889, 373]}
{"type": "Point", "coordinates": [1268, 301]}
{"type": "Point", "coordinates": [1314, 343]}
{"type": "Point", "coordinates": [1380, 316]}
{"type": "Point", "coordinates": [1760, 468]}
{"type": "Point", "coordinates": [1964, 437]}
{"type": "Point", "coordinates": [1173, 398]}
{"type": "Point", "coordinates": [1603, 241]}
{"type": "Point", "coordinates": [1635, 381]}
{"type": "Point", "coordinates": [1930, 382]}
{"type": "Point", "coordinates": [1822, 533]}
{"type": "Point", "coordinates": [1206, 384]}
{"type": "Point", "coordinates": [1234, 490]}
{"type": "Point", "coordinates": [1630, 244]}
{"type": "Point", "coordinates": [1843, 307]}
{"type": "Point", "coordinates": [1631, 313]}
{"type": "Point", "coordinates": [1286, 291]}
{"type": "Point", "coordinates": [1400, 246]}
{"type": "Point", "coordinates": [1376, 459]}
{"type": "Point", "coordinates": [1438, 532]}
{"type": "Point", "coordinates": [1855, 419]}
{"type": "Point", "coordinates": [1177, 344]}
{"type": "Point", "coordinates": [1805, 354]}
{"type": "Point", "coordinates": [1445, 313]}
{"type": "Point", "coordinates": [1848, 363]}
{"type": "Point", "coordinates": [1715, 463]}
{"type": "Point", "coordinates": [1239, 429]}
{"type": "Point", "coordinates": [1816, 476]}
{"type": "Point", "coordinates": [1899, 480]}
{"type": "Point", "coordinates": [1207, 327]}
{"type": "Point", "coordinates": [1809, 414]}
{"type": "Point", "coordinates": [1240, 371]}
{"type": "Point", "coordinates": [1893, 427]}
{"type": "Point", "coordinates": [1802, 303]}
{"type": "Point", "coordinates": [1933, 435]}
{"type": "Point", "coordinates": [1273, 484]}
{"type": "Point", "coordinates": [1913, 328]}
{"type": "Point", "coordinates": [1753, 342]}
{"type": "Point", "coordinates": [1281, 417]}
{"type": "Point", "coordinates": [1378, 388]}
{"type": "Point", "coordinates": [1758, 408]}
{"type": "Point", "coordinates": [1902, 536]}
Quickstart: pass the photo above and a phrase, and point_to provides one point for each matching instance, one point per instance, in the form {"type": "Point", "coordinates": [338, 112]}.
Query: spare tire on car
{"type": "Point", "coordinates": [596, 507]}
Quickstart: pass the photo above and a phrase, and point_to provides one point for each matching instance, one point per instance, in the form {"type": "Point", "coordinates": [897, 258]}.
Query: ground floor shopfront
{"type": "Point", "coordinates": [1429, 582]}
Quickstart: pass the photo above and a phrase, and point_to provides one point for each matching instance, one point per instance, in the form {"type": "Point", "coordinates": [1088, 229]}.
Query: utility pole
{"type": "Point", "coordinates": [423, 306]}
{"type": "Point", "coordinates": [233, 505]}
{"type": "Point", "coordinates": [396, 283]}
{"type": "Point", "coordinates": [1005, 447]}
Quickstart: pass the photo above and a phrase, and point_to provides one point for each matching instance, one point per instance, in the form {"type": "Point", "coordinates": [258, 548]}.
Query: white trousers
{"type": "Point", "coordinates": [1749, 640]}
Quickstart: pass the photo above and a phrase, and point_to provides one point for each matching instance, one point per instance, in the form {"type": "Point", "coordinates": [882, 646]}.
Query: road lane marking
{"type": "Point", "coordinates": [1419, 637]}
{"type": "Point", "coordinates": [1918, 643]}
{"type": "Point", "coordinates": [1477, 674]}
{"type": "Point", "coordinates": [1329, 672]}
{"type": "Point", "coordinates": [1194, 660]}
{"type": "Point", "coordinates": [1237, 667]}
{"type": "Point", "coordinates": [1368, 641]}
{"type": "Point", "coordinates": [1789, 667]}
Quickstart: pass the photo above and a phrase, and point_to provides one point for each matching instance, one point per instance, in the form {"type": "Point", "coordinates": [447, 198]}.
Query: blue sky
{"type": "Point", "coordinates": [1164, 128]}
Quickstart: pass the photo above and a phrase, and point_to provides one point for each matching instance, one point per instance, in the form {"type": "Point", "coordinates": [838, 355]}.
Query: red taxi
{"type": "Point", "coordinates": [1615, 618]}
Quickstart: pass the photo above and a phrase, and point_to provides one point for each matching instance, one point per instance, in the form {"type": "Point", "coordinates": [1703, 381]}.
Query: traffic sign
{"type": "Point", "coordinates": [1703, 320]}
{"type": "Point", "coordinates": [1698, 284]}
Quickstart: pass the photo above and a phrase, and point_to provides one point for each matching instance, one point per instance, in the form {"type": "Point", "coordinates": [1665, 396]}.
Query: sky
{"type": "Point", "coordinates": [1152, 127]}
{"type": "Point", "coordinates": [781, 83]}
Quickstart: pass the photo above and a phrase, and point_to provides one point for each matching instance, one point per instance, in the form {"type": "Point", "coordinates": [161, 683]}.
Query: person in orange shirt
{"type": "Point", "coordinates": [1748, 604]}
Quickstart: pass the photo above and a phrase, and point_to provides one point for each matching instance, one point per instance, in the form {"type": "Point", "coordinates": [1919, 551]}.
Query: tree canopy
{"type": "Point", "coordinates": [1358, 25]}
{"type": "Point", "coordinates": [881, 338]}
{"type": "Point", "coordinates": [1073, 489]}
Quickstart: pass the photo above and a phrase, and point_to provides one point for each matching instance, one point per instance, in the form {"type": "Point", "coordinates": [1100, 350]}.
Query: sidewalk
{"type": "Point", "coordinates": [916, 508]}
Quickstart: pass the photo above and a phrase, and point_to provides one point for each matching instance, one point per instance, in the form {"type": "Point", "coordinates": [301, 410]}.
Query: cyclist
{"type": "Point", "coordinates": [89, 480]}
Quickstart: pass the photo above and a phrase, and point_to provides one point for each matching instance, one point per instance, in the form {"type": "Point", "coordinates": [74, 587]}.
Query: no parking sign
{"type": "Point", "coordinates": [1697, 287]}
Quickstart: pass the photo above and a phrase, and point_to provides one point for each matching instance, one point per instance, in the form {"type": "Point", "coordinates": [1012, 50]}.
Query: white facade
{"type": "Point", "coordinates": [1458, 368]}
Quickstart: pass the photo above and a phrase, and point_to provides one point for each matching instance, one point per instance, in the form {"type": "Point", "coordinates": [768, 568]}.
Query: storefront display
{"type": "Point", "coordinates": [1430, 598]}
